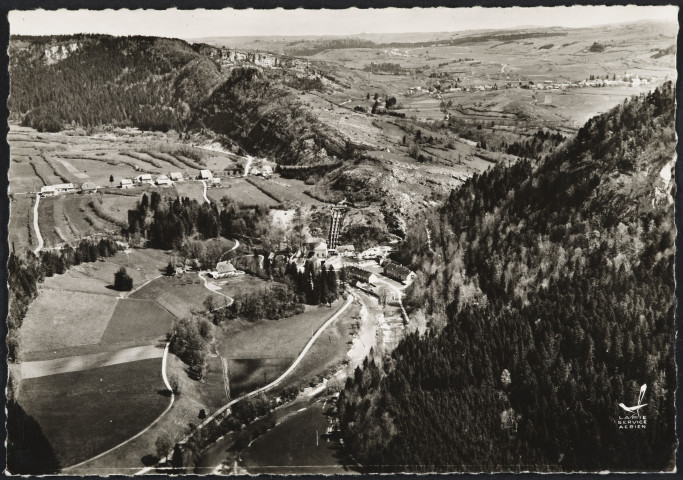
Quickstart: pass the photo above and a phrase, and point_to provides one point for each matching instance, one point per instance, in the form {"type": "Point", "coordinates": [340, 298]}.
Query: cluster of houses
{"type": "Point", "coordinates": [146, 179]}
{"type": "Point", "coordinates": [59, 189]}
{"type": "Point", "coordinates": [627, 80]}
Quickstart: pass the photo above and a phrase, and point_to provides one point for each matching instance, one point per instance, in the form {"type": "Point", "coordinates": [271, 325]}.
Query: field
{"type": "Point", "coordinates": [240, 191]}
{"type": "Point", "coordinates": [179, 295]}
{"type": "Point", "coordinates": [193, 190]}
{"type": "Point", "coordinates": [329, 350]}
{"type": "Point", "coordinates": [251, 373]}
{"type": "Point", "coordinates": [297, 446]}
{"type": "Point", "coordinates": [259, 352]}
{"type": "Point", "coordinates": [84, 413]}
{"type": "Point", "coordinates": [68, 218]}
{"type": "Point", "coordinates": [137, 322]}
{"type": "Point", "coordinates": [21, 233]}
{"type": "Point", "coordinates": [236, 286]}
{"type": "Point", "coordinates": [286, 190]}
{"type": "Point", "coordinates": [59, 320]}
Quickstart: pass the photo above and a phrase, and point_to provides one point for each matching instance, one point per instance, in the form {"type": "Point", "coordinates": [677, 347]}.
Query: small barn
{"type": "Point", "coordinates": [126, 183]}
{"type": "Point", "coordinates": [176, 176]}
{"type": "Point", "coordinates": [205, 174]}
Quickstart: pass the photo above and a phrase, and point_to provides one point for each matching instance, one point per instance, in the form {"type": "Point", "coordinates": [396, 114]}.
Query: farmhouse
{"type": "Point", "coordinates": [176, 176]}
{"type": "Point", "coordinates": [144, 178]}
{"type": "Point", "coordinates": [47, 191]}
{"type": "Point", "coordinates": [360, 275]}
{"type": "Point", "coordinates": [215, 181]}
{"type": "Point", "coordinates": [64, 188]}
{"type": "Point", "coordinates": [89, 187]}
{"type": "Point", "coordinates": [126, 183]}
{"type": "Point", "coordinates": [163, 181]}
{"type": "Point", "coordinates": [398, 272]}
{"type": "Point", "coordinates": [205, 175]}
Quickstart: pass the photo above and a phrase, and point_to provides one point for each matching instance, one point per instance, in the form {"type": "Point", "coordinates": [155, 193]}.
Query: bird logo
{"type": "Point", "coordinates": [640, 405]}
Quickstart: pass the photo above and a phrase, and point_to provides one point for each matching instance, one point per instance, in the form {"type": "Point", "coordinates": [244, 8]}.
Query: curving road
{"type": "Point", "coordinates": [272, 384]}
{"type": "Point", "coordinates": [36, 227]}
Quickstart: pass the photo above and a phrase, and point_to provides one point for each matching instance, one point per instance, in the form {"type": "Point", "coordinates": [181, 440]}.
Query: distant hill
{"type": "Point", "coordinates": [550, 295]}
{"type": "Point", "coordinates": [161, 84]}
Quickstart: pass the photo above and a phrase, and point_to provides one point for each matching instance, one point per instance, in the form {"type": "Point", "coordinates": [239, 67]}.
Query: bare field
{"type": "Point", "coordinates": [59, 319]}
{"type": "Point", "coordinates": [240, 191]}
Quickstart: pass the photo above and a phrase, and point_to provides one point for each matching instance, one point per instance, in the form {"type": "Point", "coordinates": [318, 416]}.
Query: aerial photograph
{"type": "Point", "coordinates": [336, 242]}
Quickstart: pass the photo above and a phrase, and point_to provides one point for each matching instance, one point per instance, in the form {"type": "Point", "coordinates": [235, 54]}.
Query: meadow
{"type": "Point", "coordinates": [84, 413]}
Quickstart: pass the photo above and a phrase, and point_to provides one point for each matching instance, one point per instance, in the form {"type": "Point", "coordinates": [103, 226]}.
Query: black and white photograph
{"type": "Point", "coordinates": [341, 241]}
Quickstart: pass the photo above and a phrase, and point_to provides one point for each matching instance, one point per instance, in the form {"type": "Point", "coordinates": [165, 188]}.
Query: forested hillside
{"type": "Point", "coordinates": [550, 291]}
{"type": "Point", "coordinates": [162, 84]}
{"type": "Point", "coordinates": [150, 83]}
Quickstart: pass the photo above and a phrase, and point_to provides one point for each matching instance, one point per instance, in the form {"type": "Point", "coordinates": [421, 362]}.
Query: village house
{"type": "Point", "coordinates": [215, 181]}
{"type": "Point", "coordinates": [89, 187]}
{"type": "Point", "coordinates": [398, 272]}
{"type": "Point", "coordinates": [205, 175]}
{"type": "Point", "coordinates": [144, 178]}
{"type": "Point", "coordinates": [360, 275]}
{"type": "Point", "coordinates": [176, 176]}
{"type": "Point", "coordinates": [163, 181]}
{"type": "Point", "coordinates": [126, 183]}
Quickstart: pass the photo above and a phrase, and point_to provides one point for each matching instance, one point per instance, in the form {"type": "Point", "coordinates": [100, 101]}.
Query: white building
{"type": "Point", "coordinates": [126, 183]}
{"type": "Point", "coordinates": [215, 181]}
{"type": "Point", "coordinates": [144, 178]}
{"type": "Point", "coordinates": [205, 175]}
{"type": "Point", "coordinates": [64, 188]}
{"type": "Point", "coordinates": [176, 176]}
{"type": "Point", "coordinates": [47, 191]}
{"type": "Point", "coordinates": [163, 181]}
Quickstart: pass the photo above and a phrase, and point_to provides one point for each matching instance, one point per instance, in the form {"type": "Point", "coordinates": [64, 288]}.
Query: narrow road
{"type": "Point", "coordinates": [206, 285]}
{"type": "Point", "coordinates": [168, 386]}
{"type": "Point", "coordinates": [272, 384]}
{"type": "Point", "coordinates": [36, 227]}
{"type": "Point", "coordinates": [206, 199]}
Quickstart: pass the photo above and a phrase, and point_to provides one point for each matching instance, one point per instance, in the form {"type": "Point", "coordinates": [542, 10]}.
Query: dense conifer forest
{"type": "Point", "coordinates": [549, 285]}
